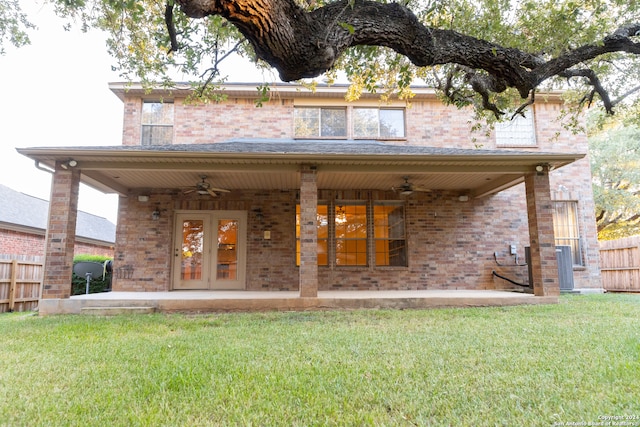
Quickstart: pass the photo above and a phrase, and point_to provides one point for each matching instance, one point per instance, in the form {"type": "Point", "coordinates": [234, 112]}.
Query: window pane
{"type": "Point", "coordinates": [334, 122]}
{"type": "Point", "coordinates": [306, 122]}
{"type": "Point", "coordinates": [565, 227]}
{"type": "Point", "coordinates": [518, 131]}
{"type": "Point", "coordinates": [389, 232]}
{"type": "Point", "coordinates": [391, 123]}
{"type": "Point", "coordinates": [157, 113]}
{"type": "Point", "coordinates": [157, 135]}
{"type": "Point", "coordinates": [351, 234]}
{"type": "Point", "coordinates": [365, 122]}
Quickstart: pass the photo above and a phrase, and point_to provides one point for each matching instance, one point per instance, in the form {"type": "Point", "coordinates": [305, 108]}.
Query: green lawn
{"type": "Point", "coordinates": [574, 362]}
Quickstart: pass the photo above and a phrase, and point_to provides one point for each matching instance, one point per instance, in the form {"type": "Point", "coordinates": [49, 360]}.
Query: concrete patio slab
{"type": "Point", "coordinates": [246, 301]}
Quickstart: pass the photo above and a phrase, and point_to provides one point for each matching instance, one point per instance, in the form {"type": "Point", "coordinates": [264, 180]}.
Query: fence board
{"type": "Point", "coordinates": [20, 284]}
{"type": "Point", "coordinates": [620, 264]}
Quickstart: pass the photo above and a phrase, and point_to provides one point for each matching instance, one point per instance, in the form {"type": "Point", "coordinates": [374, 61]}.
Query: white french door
{"type": "Point", "coordinates": [210, 250]}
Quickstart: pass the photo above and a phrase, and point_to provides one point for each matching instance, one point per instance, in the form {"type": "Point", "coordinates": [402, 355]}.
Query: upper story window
{"type": "Point", "coordinates": [378, 123]}
{"type": "Point", "coordinates": [351, 122]}
{"type": "Point", "coordinates": [157, 123]}
{"type": "Point", "coordinates": [312, 122]}
{"type": "Point", "coordinates": [517, 132]}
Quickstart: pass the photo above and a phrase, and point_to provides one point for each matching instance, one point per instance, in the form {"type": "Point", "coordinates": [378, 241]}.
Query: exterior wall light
{"type": "Point", "coordinates": [69, 164]}
{"type": "Point", "coordinates": [155, 215]}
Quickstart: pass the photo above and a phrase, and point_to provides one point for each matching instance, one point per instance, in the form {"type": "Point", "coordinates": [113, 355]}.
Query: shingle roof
{"type": "Point", "coordinates": [27, 211]}
{"type": "Point", "coordinates": [306, 146]}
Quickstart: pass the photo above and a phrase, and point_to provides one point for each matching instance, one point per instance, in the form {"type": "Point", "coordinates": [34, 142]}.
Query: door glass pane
{"type": "Point", "coordinates": [227, 267]}
{"type": "Point", "coordinates": [192, 242]}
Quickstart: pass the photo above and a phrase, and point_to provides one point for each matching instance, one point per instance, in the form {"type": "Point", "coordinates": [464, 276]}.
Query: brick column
{"type": "Point", "coordinates": [61, 233]}
{"type": "Point", "coordinates": [544, 265]}
{"type": "Point", "coordinates": [308, 232]}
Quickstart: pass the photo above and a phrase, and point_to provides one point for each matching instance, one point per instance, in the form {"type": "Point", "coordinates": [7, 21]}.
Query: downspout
{"type": "Point", "coordinates": [42, 168]}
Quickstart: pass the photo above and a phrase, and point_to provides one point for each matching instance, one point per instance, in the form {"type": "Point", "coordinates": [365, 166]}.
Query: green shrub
{"type": "Point", "coordinates": [79, 284]}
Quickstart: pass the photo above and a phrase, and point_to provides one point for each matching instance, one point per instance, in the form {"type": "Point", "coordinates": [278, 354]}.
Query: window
{"type": "Point", "coordinates": [310, 122]}
{"type": "Point", "coordinates": [565, 227]}
{"type": "Point", "coordinates": [378, 123]}
{"type": "Point", "coordinates": [344, 234]}
{"type": "Point", "coordinates": [390, 243]}
{"type": "Point", "coordinates": [332, 122]}
{"type": "Point", "coordinates": [157, 123]}
{"type": "Point", "coordinates": [323, 234]}
{"type": "Point", "coordinates": [517, 132]}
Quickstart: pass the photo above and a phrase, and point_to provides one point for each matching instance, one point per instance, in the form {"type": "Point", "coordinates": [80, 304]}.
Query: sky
{"type": "Point", "coordinates": [55, 93]}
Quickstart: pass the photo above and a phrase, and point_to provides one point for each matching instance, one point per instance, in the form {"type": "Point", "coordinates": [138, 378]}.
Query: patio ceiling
{"type": "Point", "coordinates": [275, 165]}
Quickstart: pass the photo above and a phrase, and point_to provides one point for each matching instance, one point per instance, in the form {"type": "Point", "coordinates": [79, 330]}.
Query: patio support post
{"type": "Point", "coordinates": [544, 265]}
{"type": "Point", "coordinates": [61, 233]}
{"type": "Point", "coordinates": [308, 232]}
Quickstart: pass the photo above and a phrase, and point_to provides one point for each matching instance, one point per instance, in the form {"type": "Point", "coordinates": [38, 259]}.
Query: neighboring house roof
{"type": "Point", "coordinates": [22, 211]}
{"type": "Point", "coordinates": [274, 164]}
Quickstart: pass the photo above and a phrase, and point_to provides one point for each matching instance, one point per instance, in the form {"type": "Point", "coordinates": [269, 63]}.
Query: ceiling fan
{"type": "Point", "coordinates": [407, 188]}
{"type": "Point", "coordinates": [203, 187]}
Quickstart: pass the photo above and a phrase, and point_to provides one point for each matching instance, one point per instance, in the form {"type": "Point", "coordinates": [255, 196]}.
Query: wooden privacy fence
{"type": "Point", "coordinates": [620, 264]}
{"type": "Point", "coordinates": [20, 283]}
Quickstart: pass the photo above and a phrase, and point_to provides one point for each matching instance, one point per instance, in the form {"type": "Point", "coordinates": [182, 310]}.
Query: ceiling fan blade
{"type": "Point", "coordinates": [211, 192]}
{"type": "Point", "coordinates": [220, 190]}
{"type": "Point", "coordinates": [421, 189]}
{"type": "Point", "coordinates": [188, 191]}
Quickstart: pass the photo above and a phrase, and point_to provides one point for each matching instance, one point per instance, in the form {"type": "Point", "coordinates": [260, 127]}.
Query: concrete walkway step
{"type": "Point", "coordinates": [112, 311]}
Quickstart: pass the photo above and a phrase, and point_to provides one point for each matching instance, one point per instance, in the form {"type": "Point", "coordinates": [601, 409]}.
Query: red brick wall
{"type": "Point", "coordinates": [451, 243]}
{"type": "Point", "coordinates": [428, 122]}
{"type": "Point", "coordinates": [142, 260]}
{"type": "Point", "coordinates": [19, 243]}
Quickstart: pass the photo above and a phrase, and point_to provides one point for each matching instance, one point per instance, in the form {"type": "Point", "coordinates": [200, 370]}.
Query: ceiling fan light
{"type": "Point", "coordinates": [203, 192]}
{"type": "Point", "coordinates": [406, 192]}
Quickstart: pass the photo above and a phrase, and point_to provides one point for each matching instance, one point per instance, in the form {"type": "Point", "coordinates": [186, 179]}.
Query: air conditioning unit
{"type": "Point", "coordinates": [565, 267]}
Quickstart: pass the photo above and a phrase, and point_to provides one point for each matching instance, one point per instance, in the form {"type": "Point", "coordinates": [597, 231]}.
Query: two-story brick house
{"type": "Point", "coordinates": [310, 192]}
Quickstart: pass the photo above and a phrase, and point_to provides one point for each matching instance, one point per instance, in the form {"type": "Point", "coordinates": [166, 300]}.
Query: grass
{"type": "Point", "coordinates": [573, 362]}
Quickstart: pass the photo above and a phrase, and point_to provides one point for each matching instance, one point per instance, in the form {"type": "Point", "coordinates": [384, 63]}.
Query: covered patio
{"type": "Point", "coordinates": [301, 171]}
